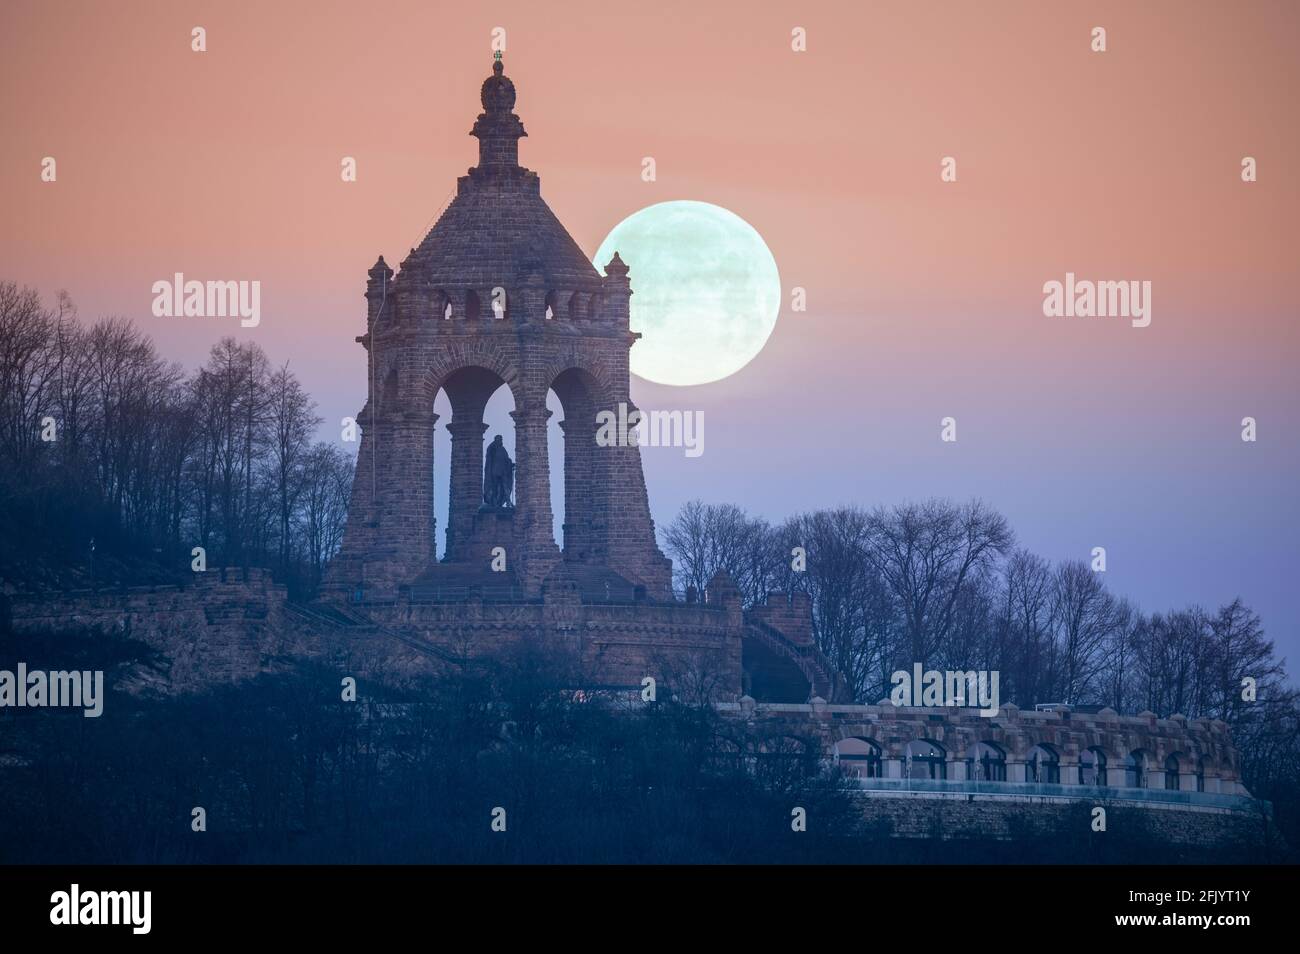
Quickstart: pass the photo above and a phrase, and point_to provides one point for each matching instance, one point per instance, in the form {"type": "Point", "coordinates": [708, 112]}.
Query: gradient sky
{"type": "Point", "coordinates": [924, 298]}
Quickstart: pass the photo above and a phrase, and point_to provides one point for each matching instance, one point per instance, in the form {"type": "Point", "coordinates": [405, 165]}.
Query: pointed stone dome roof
{"type": "Point", "coordinates": [498, 230]}
{"type": "Point", "coordinates": [492, 236]}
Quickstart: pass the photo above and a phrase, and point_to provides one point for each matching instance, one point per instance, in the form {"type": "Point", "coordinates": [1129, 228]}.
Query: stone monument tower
{"type": "Point", "coordinates": [497, 293]}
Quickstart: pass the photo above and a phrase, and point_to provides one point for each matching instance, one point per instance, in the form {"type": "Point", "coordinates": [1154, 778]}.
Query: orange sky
{"type": "Point", "coordinates": [228, 161]}
{"type": "Point", "coordinates": [924, 297]}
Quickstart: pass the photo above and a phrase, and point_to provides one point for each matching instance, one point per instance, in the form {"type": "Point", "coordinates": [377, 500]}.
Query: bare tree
{"type": "Point", "coordinates": [28, 366]}
{"type": "Point", "coordinates": [1239, 650]}
{"type": "Point", "coordinates": [854, 618]}
{"type": "Point", "coordinates": [704, 538]}
{"type": "Point", "coordinates": [148, 461]}
{"type": "Point", "coordinates": [327, 482]}
{"type": "Point", "coordinates": [1084, 615]}
{"type": "Point", "coordinates": [927, 554]}
{"type": "Point", "coordinates": [292, 419]}
{"type": "Point", "coordinates": [1024, 648]}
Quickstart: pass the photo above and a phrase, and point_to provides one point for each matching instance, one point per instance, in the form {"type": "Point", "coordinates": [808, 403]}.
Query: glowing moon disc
{"type": "Point", "coordinates": [705, 290]}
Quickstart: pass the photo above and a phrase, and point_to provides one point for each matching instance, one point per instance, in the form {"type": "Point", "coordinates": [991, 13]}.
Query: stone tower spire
{"type": "Point", "coordinates": [498, 294]}
{"type": "Point", "coordinates": [497, 128]}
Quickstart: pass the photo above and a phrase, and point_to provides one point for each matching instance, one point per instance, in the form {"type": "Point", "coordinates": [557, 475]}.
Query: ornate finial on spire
{"type": "Point", "coordinates": [498, 93]}
{"type": "Point", "coordinates": [498, 128]}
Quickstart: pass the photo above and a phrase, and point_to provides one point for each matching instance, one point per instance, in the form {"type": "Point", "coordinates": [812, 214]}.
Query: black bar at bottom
{"type": "Point", "coordinates": [936, 903]}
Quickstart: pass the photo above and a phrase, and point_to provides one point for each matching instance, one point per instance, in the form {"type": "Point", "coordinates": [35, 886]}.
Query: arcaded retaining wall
{"type": "Point", "coordinates": [1202, 746]}
{"type": "Point", "coordinates": [1212, 812]}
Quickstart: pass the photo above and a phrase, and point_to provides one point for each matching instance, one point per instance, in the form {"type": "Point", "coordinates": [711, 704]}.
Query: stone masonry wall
{"type": "Point", "coordinates": [220, 629]}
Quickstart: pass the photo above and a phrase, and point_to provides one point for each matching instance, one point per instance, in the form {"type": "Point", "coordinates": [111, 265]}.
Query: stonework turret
{"type": "Point", "coordinates": [377, 284]}
{"type": "Point", "coordinates": [617, 292]}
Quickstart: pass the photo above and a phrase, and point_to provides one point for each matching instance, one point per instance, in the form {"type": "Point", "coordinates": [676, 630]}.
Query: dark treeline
{"type": "Point", "coordinates": [944, 584]}
{"type": "Point", "coordinates": [286, 771]}
{"type": "Point", "coordinates": [115, 464]}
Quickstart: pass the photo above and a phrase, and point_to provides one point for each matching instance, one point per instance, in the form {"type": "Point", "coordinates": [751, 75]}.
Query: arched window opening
{"type": "Point", "coordinates": [472, 307]}
{"type": "Point", "coordinates": [497, 417]}
{"type": "Point", "coordinates": [555, 460]}
{"type": "Point", "coordinates": [858, 757]}
{"type": "Point", "coordinates": [1135, 769]}
{"type": "Point", "coordinates": [1043, 765]}
{"type": "Point", "coordinates": [579, 475]}
{"type": "Point", "coordinates": [1092, 767]}
{"type": "Point", "coordinates": [1173, 780]}
{"type": "Point", "coordinates": [925, 759]}
{"type": "Point", "coordinates": [473, 407]}
{"type": "Point", "coordinates": [441, 470]}
{"type": "Point", "coordinates": [986, 762]}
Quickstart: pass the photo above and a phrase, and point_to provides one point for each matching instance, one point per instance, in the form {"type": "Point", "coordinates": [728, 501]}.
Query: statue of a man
{"type": "Point", "coordinates": [498, 476]}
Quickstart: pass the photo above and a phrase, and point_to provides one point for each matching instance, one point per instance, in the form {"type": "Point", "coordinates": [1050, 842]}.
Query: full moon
{"type": "Point", "coordinates": [705, 290]}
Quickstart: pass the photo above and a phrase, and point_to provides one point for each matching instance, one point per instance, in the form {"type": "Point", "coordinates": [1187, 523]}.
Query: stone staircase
{"type": "Point", "coordinates": [596, 584]}
{"type": "Point", "coordinates": [351, 622]}
{"type": "Point", "coordinates": [822, 679]}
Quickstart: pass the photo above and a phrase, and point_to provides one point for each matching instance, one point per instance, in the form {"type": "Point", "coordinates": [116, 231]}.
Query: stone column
{"type": "Point", "coordinates": [390, 532]}
{"type": "Point", "coordinates": [346, 570]}
{"type": "Point", "coordinates": [465, 483]}
{"type": "Point", "coordinates": [627, 529]}
{"type": "Point", "coordinates": [405, 465]}
{"type": "Point", "coordinates": [536, 552]}
{"type": "Point", "coordinates": [528, 300]}
{"type": "Point", "coordinates": [579, 489]}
